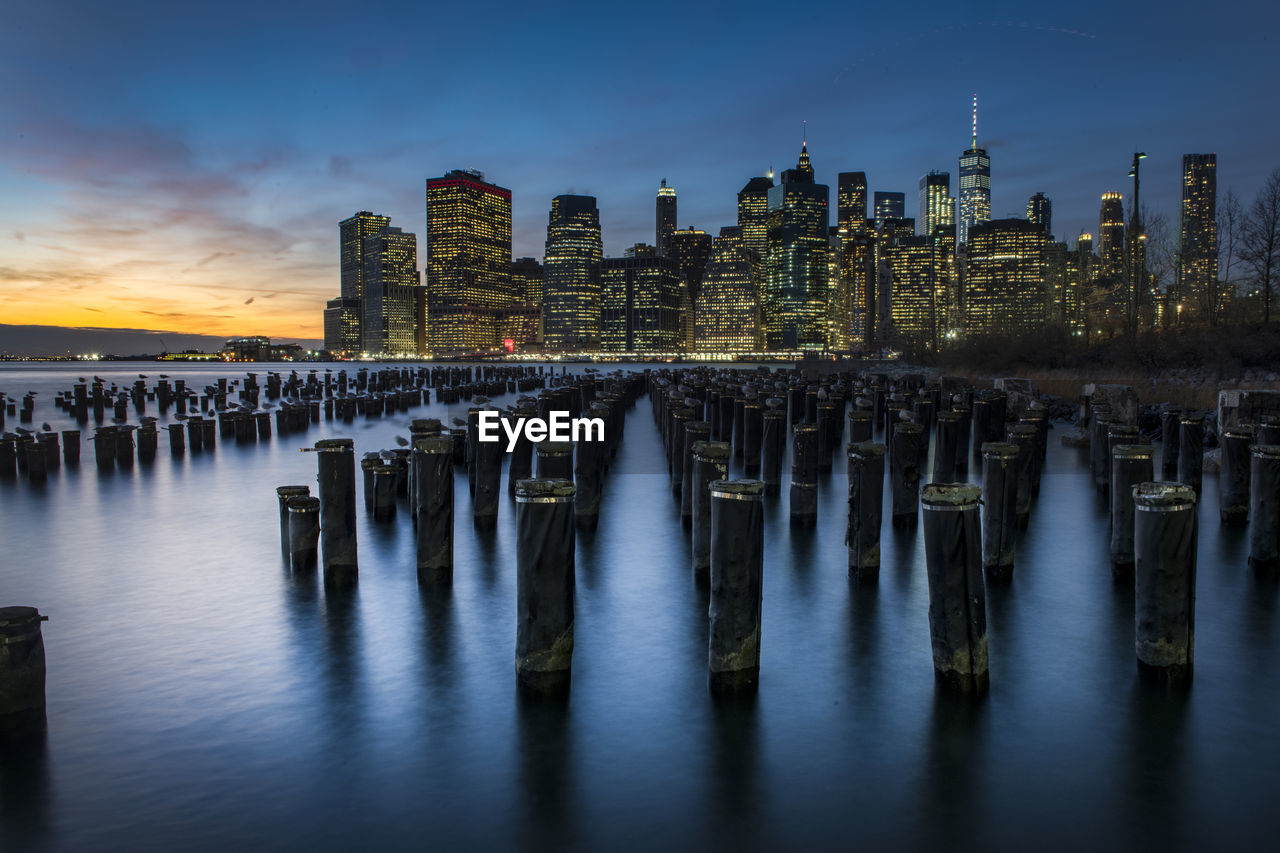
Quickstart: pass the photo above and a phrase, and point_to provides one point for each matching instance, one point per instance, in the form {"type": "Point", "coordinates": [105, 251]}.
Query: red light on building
{"type": "Point", "coordinates": [510, 344]}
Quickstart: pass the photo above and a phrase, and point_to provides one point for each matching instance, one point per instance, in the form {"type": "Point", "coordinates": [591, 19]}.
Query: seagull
{"type": "Point", "coordinates": [46, 427]}
{"type": "Point", "coordinates": [402, 441]}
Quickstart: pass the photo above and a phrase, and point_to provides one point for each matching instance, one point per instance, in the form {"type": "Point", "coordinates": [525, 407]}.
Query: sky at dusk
{"type": "Point", "coordinates": [184, 166]}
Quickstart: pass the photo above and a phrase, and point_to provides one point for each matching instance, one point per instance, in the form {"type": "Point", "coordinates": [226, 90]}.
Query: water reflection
{"type": "Point", "coordinates": [953, 773]}
{"type": "Point", "coordinates": [546, 769]}
{"type": "Point", "coordinates": [25, 790]}
{"type": "Point", "coordinates": [733, 770]}
{"type": "Point", "coordinates": [343, 665]}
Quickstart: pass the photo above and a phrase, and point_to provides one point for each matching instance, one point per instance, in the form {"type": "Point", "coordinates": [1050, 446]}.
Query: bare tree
{"type": "Point", "coordinates": [1161, 258]}
{"type": "Point", "coordinates": [1260, 239]}
{"type": "Point", "coordinates": [1230, 220]}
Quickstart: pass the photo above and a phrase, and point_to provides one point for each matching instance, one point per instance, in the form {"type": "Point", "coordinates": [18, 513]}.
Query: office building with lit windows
{"type": "Point", "coordinates": [571, 275]}
{"type": "Point", "coordinates": [917, 302]}
{"type": "Point", "coordinates": [1111, 232]}
{"type": "Point", "coordinates": [393, 299]}
{"type": "Point", "coordinates": [796, 270]}
{"type": "Point", "coordinates": [1199, 231]}
{"type": "Point", "coordinates": [690, 248]}
{"type": "Point", "coordinates": [351, 234]}
{"type": "Point", "coordinates": [851, 203]}
{"type": "Point", "coordinates": [665, 209]}
{"type": "Point", "coordinates": [753, 215]}
{"type": "Point", "coordinates": [975, 183]}
{"type": "Point", "coordinates": [858, 268]}
{"type": "Point", "coordinates": [937, 207]}
{"type": "Point", "coordinates": [1040, 211]}
{"type": "Point", "coordinates": [889, 205]}
{"type": "Point", "coordinates": [1004, 283]}
{"type": "Point", "coordinates": [342, 326]}
{"type": "Point", "coordinates": [640, 305]}
{"type": "Point", "coordinates": [727, 311]}
{"type": "Point", "coordinates": [526, 280]}
{"type": "Point", "coordinates": [468, 248]}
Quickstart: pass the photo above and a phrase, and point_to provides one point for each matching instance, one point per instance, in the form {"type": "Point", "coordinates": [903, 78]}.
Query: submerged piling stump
{"type": "Point", "coordinates": [804, 474]}
{"type": "Point", "coordinates": [433, 507]}
{"type": "Point", "coordinates": [710, 463]}
{"type": "Point", "coordinates": [866, 508]}
{"type": "Point", "coordinates": [1131, 464]}
{"type": "Point", "coordinates": [1233, 477]}
{"type": "Point", "coordinates": [544, 583]}
{"type": "Point", "coordinates": [1165, 579]}
{"type": "Point", "coordinates": [337, 480]}
{"type": "Point", "coordinates": [957, 595]}
{"type": "Point", "coordinates": [303, 512]}
{"type": "Point", "coordinates": [283, 493]}
{"type": "Point", "coordinates": [737, 575]}
{"type": "Point", "coordinates": [1264, 507]}
{"type": "Point", "coordinates": [999, 508]}
{"type": "Point", "coordinates": [22, 670]}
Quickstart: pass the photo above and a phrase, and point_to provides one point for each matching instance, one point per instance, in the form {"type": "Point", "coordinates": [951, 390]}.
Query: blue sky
{"type": "Point", "coordinates": [184, 166]}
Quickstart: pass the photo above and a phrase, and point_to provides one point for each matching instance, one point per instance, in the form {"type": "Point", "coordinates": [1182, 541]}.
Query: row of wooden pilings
{"type": "Point", "coordinates": [556, 487]}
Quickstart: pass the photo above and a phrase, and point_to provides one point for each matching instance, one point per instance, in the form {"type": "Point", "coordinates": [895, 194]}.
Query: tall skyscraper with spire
{"type": "Point", "coordinates": [796, 269]}
{"type": "Point", "coordinates": [665, 209]}
{"type": "Point", "coordinates": [975, 183]}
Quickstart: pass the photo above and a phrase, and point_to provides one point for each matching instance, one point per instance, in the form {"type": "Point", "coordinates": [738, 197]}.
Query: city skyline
{"type": "Point", "coordinates": [177, 200]}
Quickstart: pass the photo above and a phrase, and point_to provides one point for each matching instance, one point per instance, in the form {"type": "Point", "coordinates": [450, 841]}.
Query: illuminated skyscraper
{"type": "Point", "coordinates": [468, 261]}
{"type": "Point", "coordinates": [795, 296]}
{"type": "Point", "coordinates": [571, 275]}
{"type": "Point", "coordinates": [753, 215]}
{"type": "Point", "coordinates": [342, 326]}
{"type": "Point", "coordinates": [639, 305]}
{"type": "Point", "coordinates": [916, 307]}
{"type": "Point", "coordinates": [858, 266]}
{"type": "Point", "coordinates": [526, 280]}
{"type": "Point", "coordinates": [851, 203]}
{"type": "Point", "coordinates": [690, 249]}
{"type": "Point", "coordinates": [975, 183]}
{"type": "Point", "coordinates": [1004, 285]}
{"type": "Point", "coordinates": [1040, 211]}
{"type": "Point", "coordinates": [937, 207]}
{"type": "Point", "coordinates": [727, 312]}
{"type": "Point", "coordinates": [351, 234]}
{"type": "Point", "coordinates": [889, 206]}
{"type": "Point", "coordinates": [1199, 229]}
{"type": "Point", "coordinates": [666, 218]}
{"type": "Point", "coordinates": [1111, 254]}
{"type": "Point", "coordinates": [393, 299]}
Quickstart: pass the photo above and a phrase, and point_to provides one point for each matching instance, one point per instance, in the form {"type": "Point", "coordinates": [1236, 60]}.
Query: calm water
{"type": "Point", "coordinates": [200, 696]}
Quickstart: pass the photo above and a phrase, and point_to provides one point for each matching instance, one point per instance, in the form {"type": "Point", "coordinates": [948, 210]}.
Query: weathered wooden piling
{"type": "Point", "coordinates": [694, 432]}
{"type": "Point", "coordinates": [195, 434]}
{"type": "Point", "coordinates": [283, 493]}
{"type": "Point", "coordinates": [1269, 429]}
{"type": "Point", "coordinates": [908, 457]}
{"type": "Point", "coordinates": [555, 460]}
{"type": "Point", "coordinates": [737, 582]}
{"type": "Point", "coordinates": [487, 463]}
{"type": "Point", "coordinates": [303, 521]}
{"type": "Point", "coordinates": [999, 508]}
{"type": "Point", "coordinates": [520, 459]}
{"type": "Point", "coordinates": [1024, 436]}
{"type": "Point", "coordinates": [1170, 427]}
{"type": "Point", "coordinates": [433, 507]}
{"type": "Point", "coordinates": [8, 455]}
{"type": "Point", "coordinates": [384, 491]}
{"type": "Point", "coordinates": [945, 439]}
{"type": "Point", "coordinates": [544, 583]}
{"type": "Point", "coordinates": [1233, 477]}
{"type": "Point", "coordinates": [367, 463]}
{"type": "Point", "coordinates": [37, 462]}
{"type": "Point", "coordinates": [1264, 507]}
{"type": "Point", "coordinates": [957, 595]}
{"type": "Point", "coordinates": [22, 670]}
{"type": "Point", "coordinates": [773, 447]}
{"type": "Point", "coordinates": [860, 424]}
{"type": "Point", "coordinates": [48, 442]}
{"type": "Point", "coordinates": [124, 445]}
{"type": "Point", "coordinates": [1191, 452]}
{"type": "Point", "coordinates": [337, 486]}
{"type": "Point", "coordinates": [1131, 465]}
{"type": "Point", "coordinates": [1165, 579]}
{"type": "Point", "coordinates": [753, 436]}
{"type": "Point", "coordinates": [804, 474]}
{"type": "Point", "coordinates": [866, 508]}
{"type": "Point", "coordinates": [104, 448]}
{"type": "Point", "coordinates": [710, 463]}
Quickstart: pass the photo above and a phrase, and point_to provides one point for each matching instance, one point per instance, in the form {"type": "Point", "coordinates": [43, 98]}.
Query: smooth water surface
{"type": "Point", "coordinates": [201, 697]}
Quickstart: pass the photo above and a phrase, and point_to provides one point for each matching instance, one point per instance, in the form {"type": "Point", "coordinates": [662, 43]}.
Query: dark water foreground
{"type": "Point", "coordinates": [202, 698]}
